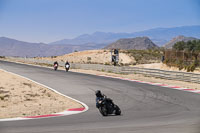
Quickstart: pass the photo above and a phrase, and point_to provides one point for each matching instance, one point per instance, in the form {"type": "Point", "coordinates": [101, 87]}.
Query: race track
{"type": "Point", "coordinates": [145, 108]}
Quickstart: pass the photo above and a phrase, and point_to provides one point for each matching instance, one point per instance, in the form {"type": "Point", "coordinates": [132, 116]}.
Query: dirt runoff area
{"type": "Point", "coordinates": [20, 97]}
{"type": "Point", "coordinates": [162, 66]}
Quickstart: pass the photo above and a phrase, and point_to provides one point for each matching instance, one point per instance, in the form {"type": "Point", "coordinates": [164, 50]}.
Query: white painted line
{"type": "Point", "coordinates": [196, 91]}
{"type": "Point", "coordinates": [14, 119]}
{"type": "Point", "coordinates": [156, 83]}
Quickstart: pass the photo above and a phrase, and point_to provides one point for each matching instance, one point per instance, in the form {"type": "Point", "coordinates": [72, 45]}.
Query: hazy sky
{"type": "Point", "coordinates": [52, 20]}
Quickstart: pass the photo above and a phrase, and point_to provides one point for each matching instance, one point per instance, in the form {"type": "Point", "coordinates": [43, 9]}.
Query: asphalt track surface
{"type": "Point", "coordinates": [145, 108]}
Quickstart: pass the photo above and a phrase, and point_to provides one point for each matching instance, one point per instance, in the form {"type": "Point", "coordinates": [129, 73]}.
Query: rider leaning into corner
{"type": "Point", "coordinates": [99, 97]}
{"type": "Point", "coordinates": [106, 105]}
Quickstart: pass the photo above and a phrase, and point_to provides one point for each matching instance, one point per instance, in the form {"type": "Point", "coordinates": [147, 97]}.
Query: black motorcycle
{"type": "Point", "coordinates": [106, 107]}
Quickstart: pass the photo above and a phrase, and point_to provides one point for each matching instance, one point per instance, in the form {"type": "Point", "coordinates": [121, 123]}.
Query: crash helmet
{"type": "Point", "coordinates": [98, 93]}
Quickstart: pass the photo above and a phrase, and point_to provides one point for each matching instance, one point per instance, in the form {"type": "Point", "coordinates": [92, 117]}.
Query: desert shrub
{"type": "Point", "coordinates": [166, 61]}
{"type": "Point", "coordinates": [89, 60]}
{"type": "Point", "coordinates": [145, 56]}
{"type": "Point", "coordinates": [134, 63]}
{"type": "Point", "coordinates": [194, 65]}
{"type": "Point", "coordinates": [3, 57]}
{"type": "Point", "coordinates": [4, 97]}
{"type": "Point", "coordinates": [121, 64]}
{"type": "Point", "coordinates": [53, 56]}
{"type": "Point", "coordinates": [188, 60]}
{"type": "Point", "coordinates": [27, 84]}
{"type": "Point", "coordinates": [107, 63]}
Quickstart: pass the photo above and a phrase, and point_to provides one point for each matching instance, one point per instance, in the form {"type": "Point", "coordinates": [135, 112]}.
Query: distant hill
{"type": "Point", "coordinates": [139, 43]}
{"type": "Point", "coordinates": [12, 47]}
{"type": "Point", "coordinates": [159, 36]}
{"type": "Point", "coordinates": [170, 44]}
{"type": "Point", "coordinates": [97, 40]}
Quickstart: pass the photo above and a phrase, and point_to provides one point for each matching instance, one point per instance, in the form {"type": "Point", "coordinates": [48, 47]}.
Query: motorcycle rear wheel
{"type": "Point", "coordinates": [118, 111]}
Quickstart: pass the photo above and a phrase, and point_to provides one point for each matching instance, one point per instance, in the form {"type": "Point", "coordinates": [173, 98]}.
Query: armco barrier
{"type": "Point", "coordinates": [170, 75]}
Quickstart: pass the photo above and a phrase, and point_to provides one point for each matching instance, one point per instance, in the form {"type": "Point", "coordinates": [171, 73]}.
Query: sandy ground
{"type": "Point", "coordinates": [104, 57]}
{"type": "Point", "coordinates": [163, 67]}
{"type": "Point", "coordinates": [22, 97]}
{"type": "Point", "coordinates": [92, 56]}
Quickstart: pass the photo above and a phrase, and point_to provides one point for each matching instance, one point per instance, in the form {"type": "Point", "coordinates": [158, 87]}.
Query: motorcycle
{"type": "Point", "coordinates": [67, 67]}
{"type": "Point", "coordinates": [106, 107]}
{"type": "Point", "coordinates": [55, 67]}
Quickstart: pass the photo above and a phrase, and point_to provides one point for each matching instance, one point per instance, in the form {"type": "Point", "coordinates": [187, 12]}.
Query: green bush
{"type": "Point", "coordinates": [185, 55]}
{"type": "Point", "coordinates": [193, 45]}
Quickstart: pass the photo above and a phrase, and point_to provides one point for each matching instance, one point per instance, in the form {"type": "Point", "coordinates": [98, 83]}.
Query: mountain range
{"type": "Point", "coordinates": [97, 40]}
{"type": "Point", "coordinates": [159, 36]}
{"type": "Point", "coordinates": [12, 47]}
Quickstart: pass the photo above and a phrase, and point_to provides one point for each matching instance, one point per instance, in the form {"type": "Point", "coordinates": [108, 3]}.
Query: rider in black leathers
{"type": "Point", "coordinates": [100, 96]}
{"type": "Point", "coordinates": [106, 105]}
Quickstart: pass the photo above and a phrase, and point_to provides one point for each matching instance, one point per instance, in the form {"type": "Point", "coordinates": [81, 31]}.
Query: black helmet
{"type": "Point", "coordinates": [98, 93]}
